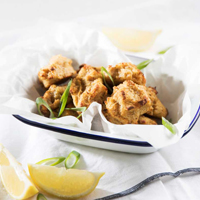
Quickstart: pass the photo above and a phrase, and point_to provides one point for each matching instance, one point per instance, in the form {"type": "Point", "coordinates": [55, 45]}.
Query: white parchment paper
{"type": "Point", "coordinates": [175, 76]}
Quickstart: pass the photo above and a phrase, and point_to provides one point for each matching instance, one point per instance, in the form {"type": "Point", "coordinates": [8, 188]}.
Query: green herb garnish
{"type": "Point", "coordinates": [63, 100]}
{"type": "Point", "coordinates": [54, 161]}
{"type": "Point", "coordinates": [72, 159]}
{"type": "Point", "coordinates": [169, 125]}
{"type": "Point", "coordinates": [41, 102]}
{"type": "Point", "coordinates": [104, 80]}
{"type": "Point", "coordinates": [81, 109]}
{"type": "Point", "coordinates": [144, 64]}
{"type": "Point", "coordinates": [164, 51]}
{"type": "Point", "coordinates": [41, 197]}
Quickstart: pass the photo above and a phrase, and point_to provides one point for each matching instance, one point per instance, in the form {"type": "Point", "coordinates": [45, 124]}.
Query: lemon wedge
{"type": "Point", "coordinates": [131, 39]}
{"type": "Point", "coordinates": [14, 178]}
{"type": "Point", "coordinates": [68, 184]}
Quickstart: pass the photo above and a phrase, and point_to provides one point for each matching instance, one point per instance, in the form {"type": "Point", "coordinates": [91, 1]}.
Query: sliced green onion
{"type": "Point", "coordinates": [103, 69]}
{"type": "Point", "coordinates": [41, 197]}
{"type": "Point", "coordinates": [63, 100]}
{"type": "Point", "coordinates": [144, 64]}
{"type": "Point", "coordinates": [72, 159]}
{"type": "Point", "coordinates": [164, 51]}
{"type": "Point", "coordinates": [81, 109]}
{"type": "Point", "coordinates": [169, 125]}
{"type": "Point", "coordinates": [54, 161]}
{"type": "Point", "coordinates": [41, 102]}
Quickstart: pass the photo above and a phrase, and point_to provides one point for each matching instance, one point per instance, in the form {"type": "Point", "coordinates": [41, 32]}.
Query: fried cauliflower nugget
{"type": "Point", "coordinates": [125, 71]}
{"type": "Point", "coordinates": [88, 87]}
{"type": "Point", "coordinates": [52, 96]}
{"type": "Point", "coordinates": [146, 120]}
{"type": "Point", "coordinates": [159, 109]}
{"type": "Point", "coordinates": [127, 103]}
{"type": "Point", "coordinates": [110, 117]}
{"type": "Point", "coordinates": [59, 69]}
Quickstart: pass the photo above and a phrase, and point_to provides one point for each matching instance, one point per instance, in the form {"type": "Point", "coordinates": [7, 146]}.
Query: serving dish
{"type": "Point", "coordinates": [89, 46]}
{"type": "Point", "coordinates": [104, 140]}
{"type": "Point", "coordinates": [99, 140]}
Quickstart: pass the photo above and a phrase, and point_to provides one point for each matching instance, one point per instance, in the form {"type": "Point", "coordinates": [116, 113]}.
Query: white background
{"type": "Point", "coordinates": [23, 13]}
{"type": "Point", "coordinates": [29, 144]}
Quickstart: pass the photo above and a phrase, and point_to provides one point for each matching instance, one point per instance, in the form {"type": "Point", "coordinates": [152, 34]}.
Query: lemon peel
{"type": "Point", "coordinates": [14, 178]}
{"type": "Point", "coordinates": [69, 184]}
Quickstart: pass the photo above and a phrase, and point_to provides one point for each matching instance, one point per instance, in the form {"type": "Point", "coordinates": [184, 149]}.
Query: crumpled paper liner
{"type": "Point", "coordinates": [175, 76]}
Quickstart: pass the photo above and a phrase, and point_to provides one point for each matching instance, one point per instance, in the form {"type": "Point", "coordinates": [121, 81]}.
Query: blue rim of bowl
{"type": "Point", "coordinates": [99, 137]}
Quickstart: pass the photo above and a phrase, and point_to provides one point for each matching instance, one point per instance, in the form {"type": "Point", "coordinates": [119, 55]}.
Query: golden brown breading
{"type": "Point", "coordinates": [88, 87]}
{"type": "Point", "coordinates": [109, 117]}
{"type": "Point", "coordinates": [123, 72]}
{"type": "Point", "coordinates": [98, 69]}
{"type": "Point", "coordinates": [159, 109]}
{"type": "Point", "coordinates": [146, 120]}
{"type": "Point", "coordinates": [52, 97]}
{"type": "Point", "coordinates": [127, 102]}
{"type": "Point", "coordinates": [59, 69]}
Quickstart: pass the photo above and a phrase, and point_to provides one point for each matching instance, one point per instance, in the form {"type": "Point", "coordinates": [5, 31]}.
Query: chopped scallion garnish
{"type": "Point", "coordinates": [81, 109]}
{"type": "Point", "coordinates": [64, 98]}
{"type": "Point", "coordinates": [169, 125]}
{"type": "Point", "coordinates": [54, 161]}
{"type": "Point", "coordinates": [41, 102]}
{"type": "Point", "coordinates": [164, 51]}
{"type": "Point", "coordinates": [144, 64]}
{"type": "Point", "coordinates": [72, 159]}
{"type": "Point", "coordinates": [41, 197]}
{"type": "Point", "coordinates": [104, 80]}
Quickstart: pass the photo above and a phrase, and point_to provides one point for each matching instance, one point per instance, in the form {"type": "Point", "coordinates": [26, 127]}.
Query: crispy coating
{"type": "Point", "coordinates": [52, 96]}
{"type": "Point", "coordinates": [98, 69]}
{"type": "Point", "coordinates": [127, 102]}
{"type": "Point", "coordinates": [159, 109]}
{"type": "Point", "coordinates": [125, 71]}
{"type": "Point", "coordinates": [146, 120]}
{"type": "Point", "coordinates": [59, 69]}
{"type": "Point", "coordinates": [109, 117]}
{"type": "Point", "coordinates": [88, 87]}
{"type": "Point", "coordinates": [130, 103]}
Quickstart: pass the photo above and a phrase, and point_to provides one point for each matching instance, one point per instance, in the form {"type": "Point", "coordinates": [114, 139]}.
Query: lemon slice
{"type": "Point", "coordinates": [131, 39]}
{"type": "Point", "coordinates": [14, 178]}
{"type": "Point", "coordinates": [69, 184]}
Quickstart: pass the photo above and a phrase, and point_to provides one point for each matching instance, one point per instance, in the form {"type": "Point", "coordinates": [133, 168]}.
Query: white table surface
{"type": "Point", "coordinates": [30, 144]}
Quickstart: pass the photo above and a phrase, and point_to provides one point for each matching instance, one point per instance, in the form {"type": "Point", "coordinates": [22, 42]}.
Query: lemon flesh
{"type": "Point", "coordinates": [3, 159]}
{"type": "Point", "coordinates": [14, 178]}
{"type": "Point", "coordinates": [70, 184]}
{"type": "Point", "coordinates": [131, 39]}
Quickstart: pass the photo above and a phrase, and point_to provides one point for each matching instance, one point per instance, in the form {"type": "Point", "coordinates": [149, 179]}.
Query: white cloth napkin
{"type": "Point", "coordinates": [29, 145]}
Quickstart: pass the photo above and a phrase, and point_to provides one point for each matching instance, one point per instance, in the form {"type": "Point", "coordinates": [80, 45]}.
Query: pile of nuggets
{"type": "Point", "coordinates": [131, 102]}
